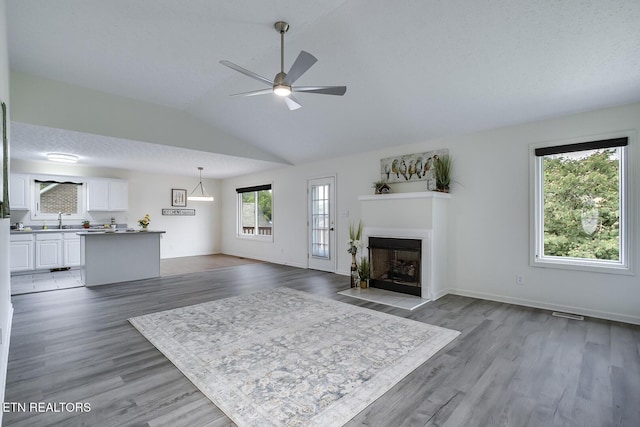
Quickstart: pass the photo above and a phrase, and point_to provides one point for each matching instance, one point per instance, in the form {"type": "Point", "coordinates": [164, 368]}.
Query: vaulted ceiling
{"type": "Point", "coordinates": [414, 70]}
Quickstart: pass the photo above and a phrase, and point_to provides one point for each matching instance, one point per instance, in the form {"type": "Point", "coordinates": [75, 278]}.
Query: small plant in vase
{"type": "Point", "coordinates": [364, 271]}
{"type": "Point", "coordinates": [86, 224]}
{"type": "Point", "coordinates": [381, 187]}
{"type": "Point", "coordinates": [144, 222]}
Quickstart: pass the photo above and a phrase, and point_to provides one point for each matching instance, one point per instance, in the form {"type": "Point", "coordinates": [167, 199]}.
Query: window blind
{"type": "Point", "coordinates": [582, 146]}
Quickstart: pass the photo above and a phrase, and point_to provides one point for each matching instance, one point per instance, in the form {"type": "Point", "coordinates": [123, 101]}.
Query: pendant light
{"type": "Point", "coordinates": [199, 194]}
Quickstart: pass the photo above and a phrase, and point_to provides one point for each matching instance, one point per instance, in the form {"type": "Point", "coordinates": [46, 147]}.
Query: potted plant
{"type": "Point", "coordinates": [442, 171]}
{"type": "Point", "coordinates": [381, 187]}
{"type": "Point", "coordinates": [85, 224]}
{"type": "Point", "coordinates": [144, 222]}
{"type": "Point", "coordinates": [364, 271]}
{"type": "Point", "coordinates": [355, 234]}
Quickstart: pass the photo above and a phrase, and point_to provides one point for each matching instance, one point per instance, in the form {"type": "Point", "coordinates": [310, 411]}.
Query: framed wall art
{"type": "Point", "coordinates": [179, 197]}
{"type": "Point", "coordinates": [411, 167]}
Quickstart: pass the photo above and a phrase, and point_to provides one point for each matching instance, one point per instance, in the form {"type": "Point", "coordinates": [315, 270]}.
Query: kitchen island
{"type": "Point", "coordinates": [119, 256]}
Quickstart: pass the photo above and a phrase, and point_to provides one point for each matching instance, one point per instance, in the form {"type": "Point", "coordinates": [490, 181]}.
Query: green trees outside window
{"type": "Point", "coordinates": [582, 203]}
{"type": "Point", "coordinates": [256, 218]}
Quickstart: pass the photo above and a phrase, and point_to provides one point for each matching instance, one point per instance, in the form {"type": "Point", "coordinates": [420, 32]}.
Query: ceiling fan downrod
{"type": "Point", "coordinates": [281, 27]}
{"type": "Point", "coordinates": [279, 86]}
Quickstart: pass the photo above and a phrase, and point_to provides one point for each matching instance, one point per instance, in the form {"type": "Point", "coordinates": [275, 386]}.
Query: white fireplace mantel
{"type": "Point", "coordinates": [420, 215]}
{"type": "Point", "coordinates": [399, 196]}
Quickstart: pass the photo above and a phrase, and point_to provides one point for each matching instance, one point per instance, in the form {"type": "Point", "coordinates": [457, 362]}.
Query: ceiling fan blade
{"type": "Point", "coordinates": [247, 72]}
{"type": "Point", "coordinates": [253, 92]}
{"type": "Point", "coordinates": [292, 103]}
{"type": "Point", "coordinates": [325, 90]}
{"type": "Point", "coordinates": [303, 62]}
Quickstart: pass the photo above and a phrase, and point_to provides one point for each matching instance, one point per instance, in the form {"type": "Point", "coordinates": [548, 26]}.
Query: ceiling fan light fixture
{"type": "Point", "coordinates": [282, 84]}
{"type": "Point", "coordinates": [62, 157]}
{"type": "Point", "coordinates": [282, 90]}
{"type": "Point", "coordinates": [199, 194]}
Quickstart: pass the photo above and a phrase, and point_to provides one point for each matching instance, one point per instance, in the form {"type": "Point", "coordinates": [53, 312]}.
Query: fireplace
{"type": "Point", "coordinates": [396, 264]}
{"type": "Point", "coordinates": [418, 217]}
{"type": "Point", "coordinates": [400, 259]}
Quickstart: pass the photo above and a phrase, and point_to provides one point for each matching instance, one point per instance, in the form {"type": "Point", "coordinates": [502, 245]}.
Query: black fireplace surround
{"type": "Point", "coordinates": [395, 264]}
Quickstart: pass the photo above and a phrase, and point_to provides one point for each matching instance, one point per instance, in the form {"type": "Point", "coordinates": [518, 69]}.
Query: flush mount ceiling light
{"type": "Point", "coordinates": [62, 157]}
{"type": "Point", "coordinates": [199, 194]}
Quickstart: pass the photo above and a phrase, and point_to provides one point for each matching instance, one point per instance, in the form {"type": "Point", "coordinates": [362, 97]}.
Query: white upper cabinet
{"type": "Point", "coordinates": [19, 191]}
{"type": "Point", "coordinates": [118, 195]}
{"type": "Point", "coordinates": [107, 195]}
{"type": "Point", "coordinates": [98, 195]}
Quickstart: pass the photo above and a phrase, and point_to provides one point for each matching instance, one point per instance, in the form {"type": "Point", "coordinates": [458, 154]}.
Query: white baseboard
{"type": "Point", "coordinates": [270, 260]}
{"type": "Point", "coordinates": [635, 320]}
{"type": "Point", "coordinates": [437, 295]}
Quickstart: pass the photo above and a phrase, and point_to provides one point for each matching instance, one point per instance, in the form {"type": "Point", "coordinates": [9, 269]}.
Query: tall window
{"type": "Point", "coordinates": [581, 217]}
{"type": "Point", "coordinates": [255, 211]}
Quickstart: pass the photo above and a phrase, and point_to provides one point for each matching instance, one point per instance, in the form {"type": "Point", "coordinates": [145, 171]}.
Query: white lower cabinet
{"type": "Point", "coordinates": [48, 250]}
{"type": "Point", "coordinates": [21, 252]}
{"type": "Point", "coordinates": [56, 250]}
{"type": "Point", "coordinates": [70, 250]}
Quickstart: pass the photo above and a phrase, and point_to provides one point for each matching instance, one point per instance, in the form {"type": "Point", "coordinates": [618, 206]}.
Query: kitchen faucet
{"type": "Point", "coordinates": [59, 220]}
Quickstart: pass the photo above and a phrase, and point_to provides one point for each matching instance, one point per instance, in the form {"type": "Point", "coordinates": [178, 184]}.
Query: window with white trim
{"type": "Point", "coordinates": [255, 212]}
{"type": "Point", "coordinates": [53, 198]}
{"type": "Point", "coordinates": [581, 215]}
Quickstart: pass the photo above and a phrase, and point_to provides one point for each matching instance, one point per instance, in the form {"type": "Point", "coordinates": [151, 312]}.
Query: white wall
{"type": "Point", "coordinates": [488, 215]}
{"type": "Point", "coordinates": [6, 309]}
{"type": "Point", "coordinates": [149, 193]}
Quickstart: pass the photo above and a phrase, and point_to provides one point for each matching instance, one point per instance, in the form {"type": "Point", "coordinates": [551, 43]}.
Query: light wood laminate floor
{"type": "Point", "coordinates": [511, 366]}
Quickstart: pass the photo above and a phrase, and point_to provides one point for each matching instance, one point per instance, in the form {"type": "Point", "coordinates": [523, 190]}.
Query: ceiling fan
{"type": "Point", "coordinates": [281, 85]}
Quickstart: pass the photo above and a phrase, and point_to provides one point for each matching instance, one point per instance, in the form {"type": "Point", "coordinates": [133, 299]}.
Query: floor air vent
{"type": "Point", "coordinates": [567, 315]}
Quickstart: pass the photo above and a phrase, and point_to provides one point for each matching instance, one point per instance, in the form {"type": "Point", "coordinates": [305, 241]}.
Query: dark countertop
{"type": "Point", "coordinates": [117, 232]}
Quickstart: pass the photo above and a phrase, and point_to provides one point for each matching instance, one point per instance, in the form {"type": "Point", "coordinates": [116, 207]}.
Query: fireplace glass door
{"type": "Point", "coordinates": [395, 264]}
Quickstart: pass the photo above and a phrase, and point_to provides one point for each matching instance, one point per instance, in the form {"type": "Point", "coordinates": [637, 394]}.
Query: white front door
{"type": "Point", "coordinates": [320, 223]}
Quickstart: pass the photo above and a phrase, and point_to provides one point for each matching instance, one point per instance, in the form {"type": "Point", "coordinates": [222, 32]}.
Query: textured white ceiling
{"type": "Point", "coordinates": [415, 70]}
{"type": "Point", "coordinates": [102, 151]}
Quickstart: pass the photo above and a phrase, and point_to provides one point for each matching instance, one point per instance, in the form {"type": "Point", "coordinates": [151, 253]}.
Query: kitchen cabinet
{"type": "Point", "coordinates": [107, 195]}
{"type": "Point", "coordinates": [21, 252]}
{"type": "Point", "coordinates": [48, 250]}
{"type": "Point", "coordinates": [19, 191]}
{"type": "Point", "coordinates": [118, 195]}
{"type": "Point", "coordinates": [44, 251]}
{"type": "Point", "coordinates": [70, 250]}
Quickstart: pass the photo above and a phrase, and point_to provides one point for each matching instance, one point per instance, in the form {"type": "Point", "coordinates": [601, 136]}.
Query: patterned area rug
{"type": "Point", "coordinates": [290, 358]}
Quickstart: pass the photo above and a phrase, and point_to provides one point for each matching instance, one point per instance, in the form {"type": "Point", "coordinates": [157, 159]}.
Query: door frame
{"type": "Point", "coordinates": [332, 216]}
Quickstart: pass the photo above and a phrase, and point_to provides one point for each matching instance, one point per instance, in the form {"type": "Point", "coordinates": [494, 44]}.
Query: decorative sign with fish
{"type": "Point", "coordinates": [411, 167]}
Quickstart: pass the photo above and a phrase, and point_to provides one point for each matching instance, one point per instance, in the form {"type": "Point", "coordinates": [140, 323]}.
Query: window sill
{"type": "Point", "coordinates": [254, 238]}
{"type": "Point", "coordinates": [584, 265]}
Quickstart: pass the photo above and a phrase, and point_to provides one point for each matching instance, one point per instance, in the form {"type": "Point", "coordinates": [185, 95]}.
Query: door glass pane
{"type": "Point", "coordinates": [248, 212]}
{"type": "Point", "coordinates": [320, 221]}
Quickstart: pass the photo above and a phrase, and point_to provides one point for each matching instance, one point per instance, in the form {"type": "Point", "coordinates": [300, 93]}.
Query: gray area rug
{"type": "Point", "coordinates": [290, 358]}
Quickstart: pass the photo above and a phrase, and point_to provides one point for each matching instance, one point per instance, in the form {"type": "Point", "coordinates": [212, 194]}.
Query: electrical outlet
{"type": "Point", "coordinates": [519, 280]}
